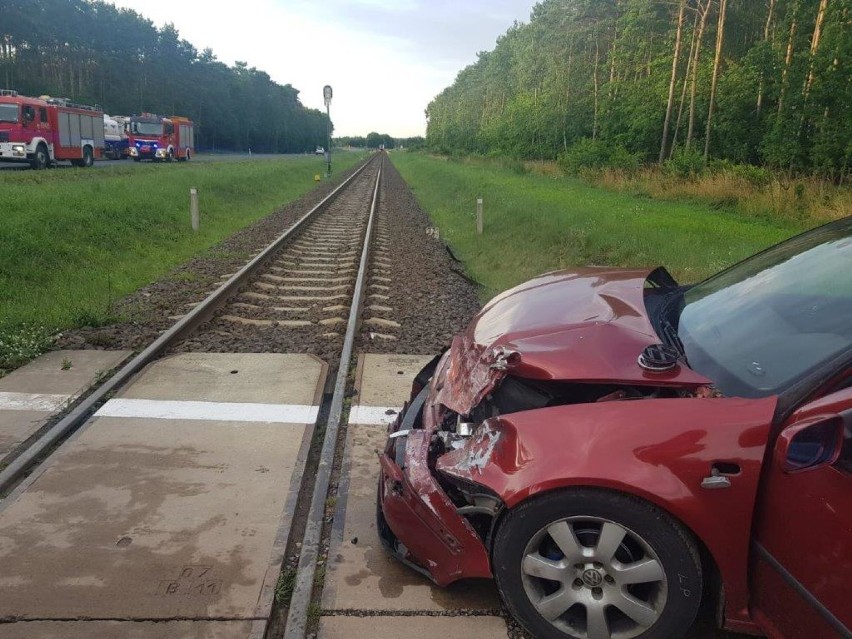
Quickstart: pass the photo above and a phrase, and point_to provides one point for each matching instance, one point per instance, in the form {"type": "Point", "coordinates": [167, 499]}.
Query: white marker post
{"type": "Point", "coordinates": [193, 208]}
{"type": "Point", "coordinates": [479, 216]}
{"type": "Point", "coordinates": [326, 96]}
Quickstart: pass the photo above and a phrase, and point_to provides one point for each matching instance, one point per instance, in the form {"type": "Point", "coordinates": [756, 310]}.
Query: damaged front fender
{"type": "Point", "coordinates": [659, 450]}
{"type": "Point", "coordinates": [427, 530]}
{"type": "Point", "coordinates": [472, 371]}
{"type": "Point", "coordinates": [493, 450]}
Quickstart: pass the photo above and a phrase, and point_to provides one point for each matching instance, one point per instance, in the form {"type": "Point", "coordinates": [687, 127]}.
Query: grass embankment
{"type": "Point", "coordinates": [74, 241]}
{"type": "Point", "coordinates": [536, 223]}
{"type": "Point", "coordinates": [751, 193]}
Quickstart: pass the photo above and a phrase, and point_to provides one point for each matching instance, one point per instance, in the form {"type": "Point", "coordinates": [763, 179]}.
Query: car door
{"type": "Point", "coordinates": [43, 123]}
{"type": "Point", "coordinates": [801, 576]}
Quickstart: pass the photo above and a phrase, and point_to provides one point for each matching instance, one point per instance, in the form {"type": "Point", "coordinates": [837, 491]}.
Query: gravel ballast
{"type": "Point", "coordinates": [421, 289]}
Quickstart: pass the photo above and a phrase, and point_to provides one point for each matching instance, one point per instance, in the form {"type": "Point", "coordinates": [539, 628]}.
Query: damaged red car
{"type": "Point", "coordinates": [614, 448]}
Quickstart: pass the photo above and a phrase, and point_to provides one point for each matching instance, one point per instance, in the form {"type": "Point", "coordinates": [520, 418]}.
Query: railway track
{"type": "Point", "coordinates": [302, 280]}
{"type": "Point", "coordinates": [311, 281]}
{"type": "Point", "coordinates": [308, 288]}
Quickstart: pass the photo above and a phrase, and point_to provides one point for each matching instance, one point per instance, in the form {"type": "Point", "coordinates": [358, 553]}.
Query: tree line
{"type": "Point", "coordinates": [748, 81]}
{"type": "Point", "coordinates": [92, 52]}
{"type": "Point", "coordinates": [374, 140]}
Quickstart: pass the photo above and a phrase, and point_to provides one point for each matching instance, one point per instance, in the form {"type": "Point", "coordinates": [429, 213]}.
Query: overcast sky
{"type": "Point", "coordinates": [385, 59]}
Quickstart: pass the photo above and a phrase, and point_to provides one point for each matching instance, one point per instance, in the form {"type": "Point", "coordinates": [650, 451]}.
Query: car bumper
{"type": "Point", "coordinates": [147, 154]}
{"type": "Point", "coordinates": [417, 521]}
{"type": "Point", "coordinates": [15, 152]}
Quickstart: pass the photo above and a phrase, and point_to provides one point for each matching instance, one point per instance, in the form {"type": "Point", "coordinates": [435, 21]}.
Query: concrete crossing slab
{"type": "Point", "coordinates": [385, 380]}
{"type": "Point", "coordinates": [17, 426]}
{"type": "Point", "coordinates": [34, 392]}
{"type": "Point", "coordinates": [268, 378]}
{"type": "Point", "coordinates": [360, 575]}
{"type": "Point", "coordinates": [461, 627]}
{"type": "Point", "coordinates": [64, 372]}
{"type": "Point", "coordinates": [127, 630]}
{"type": "Point", "coordinates": [150, 518]}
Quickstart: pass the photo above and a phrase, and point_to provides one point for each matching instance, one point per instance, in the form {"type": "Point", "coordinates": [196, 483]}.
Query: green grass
{"type": "Point", "coordinates": [20, 344]}
{"type": "Point", "coordinates": [72, 241]}
{"type": "Point", "coordinates": [537, 223]}
{"type": "Point", "coordinates": [285, 585]}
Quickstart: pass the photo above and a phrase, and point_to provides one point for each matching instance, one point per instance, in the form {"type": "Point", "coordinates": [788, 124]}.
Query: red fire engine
{"type": "Point", "coordinates": [154, 137]}
{"type": "Point", "coordinates": [41, 131]}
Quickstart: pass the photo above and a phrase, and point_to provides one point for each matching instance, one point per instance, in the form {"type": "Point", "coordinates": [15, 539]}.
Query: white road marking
{"type": "Point", "coordinates": [42, 402]}
{"type": "Point", "coordinates": [373, 415]}
{"type": "Point", "coordinates": [210, 411]}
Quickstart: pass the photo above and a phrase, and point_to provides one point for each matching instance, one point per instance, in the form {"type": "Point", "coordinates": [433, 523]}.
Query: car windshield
{"type": "Point", "coordinates": [147, 128]}
{"type": "Point", "coordinates": [766, 323]}
{"type": "Point", "coordinates": [8, 112]}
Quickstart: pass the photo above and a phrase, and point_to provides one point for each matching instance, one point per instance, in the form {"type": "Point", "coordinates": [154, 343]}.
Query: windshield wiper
{"type": "Point", "coordinates": [671, 338]}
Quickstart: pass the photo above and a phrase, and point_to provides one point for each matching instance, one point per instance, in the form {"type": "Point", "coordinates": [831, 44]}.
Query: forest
{"type": "Point", "coordinates": [92, 52]}
{"type": "Point", "coordinates": [623, 83]}
{"type": "Point", "coordinates": [374, 140]}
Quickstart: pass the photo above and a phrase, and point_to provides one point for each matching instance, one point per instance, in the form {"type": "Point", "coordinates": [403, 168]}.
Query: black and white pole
{"type": "Point", "coordinates": [326, 94]}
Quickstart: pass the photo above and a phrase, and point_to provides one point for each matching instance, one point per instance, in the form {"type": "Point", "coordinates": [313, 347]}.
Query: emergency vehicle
{"type": "Point", "coordinates": [40, 131]}
{"type": "Point", "coordinates": [154, 137]}
{"type": "Point", "coordinates": [115, 137]}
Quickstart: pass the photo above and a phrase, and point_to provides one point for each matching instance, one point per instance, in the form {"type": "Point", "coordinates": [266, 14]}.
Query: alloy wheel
{"type": "Point", "coordinates": [592, 578]}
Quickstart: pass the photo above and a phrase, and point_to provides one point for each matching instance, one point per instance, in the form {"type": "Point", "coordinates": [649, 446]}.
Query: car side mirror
{"type": "Point", "coordinates": [810, 444]}
{"type": "Point", "coordinates": [29, 114]}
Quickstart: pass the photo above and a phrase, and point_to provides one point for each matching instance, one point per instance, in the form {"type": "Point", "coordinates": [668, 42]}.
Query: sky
{"type": "Point", "coordinates": [385, 59]}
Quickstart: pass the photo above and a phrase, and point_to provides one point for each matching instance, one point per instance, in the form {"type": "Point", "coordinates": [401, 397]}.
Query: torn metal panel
{"type": "Point", "coordinates": [588, 325]}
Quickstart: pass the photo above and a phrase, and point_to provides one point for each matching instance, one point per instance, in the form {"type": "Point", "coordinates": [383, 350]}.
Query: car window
{"type": "Point", "coordinates": [42, 114]}
{"type": "Point", "coordinates": [769, 322]}
{"type": "Point", "coordinates": [8, 112]}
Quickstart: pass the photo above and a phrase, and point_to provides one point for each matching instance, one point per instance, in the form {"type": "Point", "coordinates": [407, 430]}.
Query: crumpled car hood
{"type": "Point", "coordinates": [587, 325]}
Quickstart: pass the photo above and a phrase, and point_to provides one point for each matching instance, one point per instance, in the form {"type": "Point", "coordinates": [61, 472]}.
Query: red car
{"type": "Point", "coordinates": [613, 447]}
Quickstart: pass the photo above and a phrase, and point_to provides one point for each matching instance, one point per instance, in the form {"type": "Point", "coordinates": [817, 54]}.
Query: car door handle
{"type": "Point", "coordinates": [714, 482]}
{"type": "Point", "coordinates": [718, 478]}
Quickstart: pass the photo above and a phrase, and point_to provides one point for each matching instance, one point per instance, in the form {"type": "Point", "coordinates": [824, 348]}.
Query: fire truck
{"type": "Point", "coordinates": [40, 131]}
{"type": "Point", "coordinates": [157, 138]}
{"type": "Point", "coordinates": [115, 137]}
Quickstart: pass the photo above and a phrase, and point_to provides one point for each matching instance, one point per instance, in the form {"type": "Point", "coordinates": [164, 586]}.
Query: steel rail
{"type": "Point", "coordinates": [297, 615]}
{"type": "Point", "coordinates": [198, 315]}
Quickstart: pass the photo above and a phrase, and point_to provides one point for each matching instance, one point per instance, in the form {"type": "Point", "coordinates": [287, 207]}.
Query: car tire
{"type": "Point", "coordinates": [575, 589]}
{"type": "Point", "coordinates": [41, 160]}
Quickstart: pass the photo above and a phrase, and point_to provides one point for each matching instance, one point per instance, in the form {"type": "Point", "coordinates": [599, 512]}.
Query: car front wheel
{"type": "Point", "coordinates": [41, 159]}
{"type": "Point", "coordinates": [594, 564]}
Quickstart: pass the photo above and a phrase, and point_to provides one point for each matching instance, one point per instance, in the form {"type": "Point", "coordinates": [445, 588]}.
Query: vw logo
{"type": "Point", "coordinates": [592, 578]}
